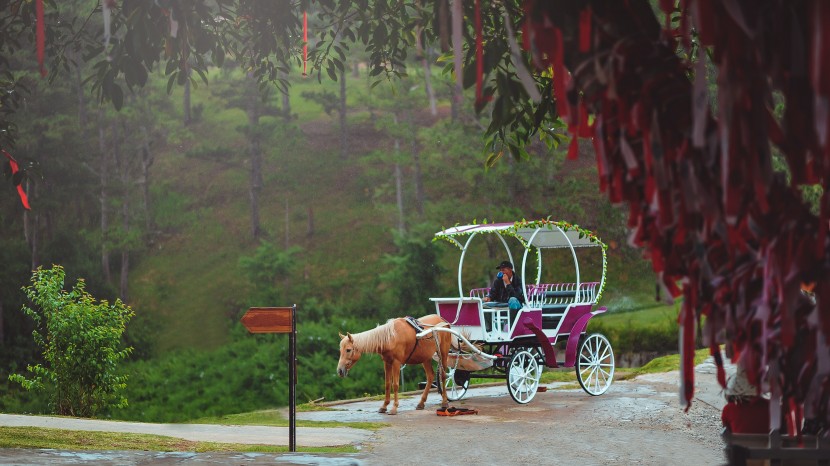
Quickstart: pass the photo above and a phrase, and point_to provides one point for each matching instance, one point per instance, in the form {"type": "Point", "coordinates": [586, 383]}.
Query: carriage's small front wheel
{"type": "Point", "coordinates": [595, 364]}
{"type": "Point", "coordinates": [523, 375]}
{"type": "Point", "coordinates": [456, 384]}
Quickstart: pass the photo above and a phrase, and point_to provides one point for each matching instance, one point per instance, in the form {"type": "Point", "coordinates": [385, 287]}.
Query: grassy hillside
{"type": "Point", "coordinates": [190, 283]}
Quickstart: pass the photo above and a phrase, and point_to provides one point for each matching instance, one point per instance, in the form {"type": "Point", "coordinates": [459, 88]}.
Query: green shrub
{"type": "Point", "coordinates": [81, 344]}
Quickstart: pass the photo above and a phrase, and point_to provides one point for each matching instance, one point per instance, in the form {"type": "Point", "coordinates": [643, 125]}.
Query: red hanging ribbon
{"type": "Point", "coordinates": [479, 57]}
{"type": "Point", "coordinates": [305, 42]}
{"type": "Point", "coordinates": [585, 30]}
{"type": "Point", "coordinates": [41, 37]}
{"type": "Point", "coordinates": [15, 168]}
{"type": "Point", "coordinates": [560, 78]}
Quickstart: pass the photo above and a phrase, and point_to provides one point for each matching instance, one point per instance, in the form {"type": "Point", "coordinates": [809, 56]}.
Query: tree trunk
{"type": "Point", "coordinates": [344, 135]}
{"type": "Point", "coordinates": [454, 104]}
{"type": "Point", "coordinates": [147, 160]}
{"type": "Point", "coordinates": [423, 54]}
{"type": "Point", "coordinates": [103, 172]}
{"type": "Point", "coordinates": [310, 229]}
{"type": "Point", "coordinates": [416, 166]}
{"type": "Point", "coordinates": [124, 172]}
{"type": "Point", "coordinates": [457, 40]}
{"type": "Point", "coordinates": [125, 271]}
{"type": "Point", "coordinates": [286, 105]}
{"type": "Point", "coordinates": [186, 97]}
{"type": "Point", "coordinates": [356, 69]}
{"type": "Point", "coordinates": [399, 192]}
{"type": "Point", "coordinates": [33, 228]}
{"type": "Point", "coordinates": [287, 221]}
{"type": "Point", "coordinates": [82, 118]}
{"type": "Point", "coordinates": [444, 25]}
{"type": "Point", "coordinates": [255, 153]}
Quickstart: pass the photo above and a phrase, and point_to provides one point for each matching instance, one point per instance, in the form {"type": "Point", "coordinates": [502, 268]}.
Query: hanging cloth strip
{"type": "Point", "coordinates": [24, 199]}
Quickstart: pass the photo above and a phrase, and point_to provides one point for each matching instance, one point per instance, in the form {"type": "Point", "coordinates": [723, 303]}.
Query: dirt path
{"type": "Point", "coordinates": [635, 422]}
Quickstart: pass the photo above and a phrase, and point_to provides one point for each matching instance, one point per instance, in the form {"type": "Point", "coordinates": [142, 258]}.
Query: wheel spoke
{"type": "Point", "coordinates": [605, 353]}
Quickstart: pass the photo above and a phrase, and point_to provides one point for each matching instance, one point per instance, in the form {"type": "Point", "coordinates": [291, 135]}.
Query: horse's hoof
{"type": "Point", "coordinates": [392, 413]}
{"type": "Point", "coordinates": [382, 410]}
{"type": "Point", "coordinates": [420, 406]}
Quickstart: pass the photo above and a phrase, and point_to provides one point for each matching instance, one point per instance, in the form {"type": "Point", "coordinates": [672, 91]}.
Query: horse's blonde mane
{"type": "Point", "coordinates": [374, 340]}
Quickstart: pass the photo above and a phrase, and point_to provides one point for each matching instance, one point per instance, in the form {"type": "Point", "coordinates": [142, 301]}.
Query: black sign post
{"type": "Point", "coordinates": [280, 320]}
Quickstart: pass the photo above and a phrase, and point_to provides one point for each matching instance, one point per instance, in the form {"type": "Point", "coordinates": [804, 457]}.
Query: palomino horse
{"type": "Point", "coordinates": [396, 343]}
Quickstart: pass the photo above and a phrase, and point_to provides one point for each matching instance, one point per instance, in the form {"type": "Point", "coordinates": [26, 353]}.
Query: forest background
{"type": "Point", "coordinates": [193, 203]}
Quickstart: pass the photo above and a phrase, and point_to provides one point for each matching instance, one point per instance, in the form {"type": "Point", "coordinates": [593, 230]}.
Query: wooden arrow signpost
{"type": "Point", "coordinates": [280, 320]}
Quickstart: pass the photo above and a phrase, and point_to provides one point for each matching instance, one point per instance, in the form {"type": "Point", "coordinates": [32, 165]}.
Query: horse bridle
{"type": "Point", "coordinates": [351, 354]}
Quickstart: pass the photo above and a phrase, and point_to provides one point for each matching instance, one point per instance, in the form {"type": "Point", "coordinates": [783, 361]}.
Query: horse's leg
{"type": "Point", "coordinates": [387, 368]}
{"type": "Point", "coordinates": [430, 373]}
{"type": "Point", "coordinates": [442, 370]}
{"type": "Point", "coordinates": [396, 380]}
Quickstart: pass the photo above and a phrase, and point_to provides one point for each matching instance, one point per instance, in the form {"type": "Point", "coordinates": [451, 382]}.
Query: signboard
{"type": "Point", "coordinates": [280, 320]}
{"type": "Point", "coordinates": [269, 319]}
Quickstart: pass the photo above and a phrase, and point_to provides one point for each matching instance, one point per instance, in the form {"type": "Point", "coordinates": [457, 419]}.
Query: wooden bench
{"type": "Point", "coordinates": [776, 449]}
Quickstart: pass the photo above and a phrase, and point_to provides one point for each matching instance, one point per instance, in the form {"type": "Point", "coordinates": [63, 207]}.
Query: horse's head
{"type": "Point", "coordinates": [349, 355]}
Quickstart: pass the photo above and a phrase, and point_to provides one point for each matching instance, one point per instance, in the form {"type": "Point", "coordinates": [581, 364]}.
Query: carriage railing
{"type": "Point", "coordinates": [551, 294]}
{"type": "Point", "coordinates": [479, 292]}
{"type": "Point", "coordinates": [562, 294]}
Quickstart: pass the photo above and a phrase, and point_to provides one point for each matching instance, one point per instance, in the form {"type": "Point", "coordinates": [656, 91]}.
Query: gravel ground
{"type": "Point", "coordinates": [636, 421]}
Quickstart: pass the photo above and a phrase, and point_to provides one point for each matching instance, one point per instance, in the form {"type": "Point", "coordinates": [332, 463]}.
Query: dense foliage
{"type": "Point", "coordinates": [81, 343]}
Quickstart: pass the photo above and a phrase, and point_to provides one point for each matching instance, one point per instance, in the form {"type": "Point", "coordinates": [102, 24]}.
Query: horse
{"type": "Point", "coordinates": [396, 343]}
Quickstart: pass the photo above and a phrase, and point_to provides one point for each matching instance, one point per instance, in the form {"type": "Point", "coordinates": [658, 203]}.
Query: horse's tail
{"type": "Point", "coordinates": [457, 344]}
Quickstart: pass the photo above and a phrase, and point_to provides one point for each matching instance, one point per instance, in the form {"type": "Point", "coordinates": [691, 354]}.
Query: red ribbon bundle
{"type": "Point", "coordinates": [703, 199]}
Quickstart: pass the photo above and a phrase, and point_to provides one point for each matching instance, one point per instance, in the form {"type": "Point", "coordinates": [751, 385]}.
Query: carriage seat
{"type": "Point", "coordinates": [494, 305]}
{"type": "Point", "coordinates": [560, 294]}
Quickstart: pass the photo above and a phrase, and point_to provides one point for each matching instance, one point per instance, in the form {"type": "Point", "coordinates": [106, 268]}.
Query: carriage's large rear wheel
{"type": "Point", "coordinates": [523, 373]}
{"type": "Point", "coordinates": [456, 383]}
{"type": "Point", "coordinates": [595, 364]}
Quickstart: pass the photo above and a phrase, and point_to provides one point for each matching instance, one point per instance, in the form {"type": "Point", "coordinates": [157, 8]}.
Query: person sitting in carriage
{"type": "Point", "coordinates": [506, 290]}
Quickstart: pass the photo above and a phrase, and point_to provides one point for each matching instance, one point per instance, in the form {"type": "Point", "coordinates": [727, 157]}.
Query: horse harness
{"type": "Point", "coordinates": [418, 329]}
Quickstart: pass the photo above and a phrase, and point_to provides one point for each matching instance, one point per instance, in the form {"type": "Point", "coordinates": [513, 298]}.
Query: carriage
{"type": "Point", "coordinates": [496, 342]}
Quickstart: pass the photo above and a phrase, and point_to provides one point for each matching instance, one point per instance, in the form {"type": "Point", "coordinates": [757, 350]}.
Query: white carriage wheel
{"type": "Point", "coordinates": [455, 391]}
{"type": "Point", "coordinates": [595, 364]}
{"type": "Point", "coordinates": [523, 375]}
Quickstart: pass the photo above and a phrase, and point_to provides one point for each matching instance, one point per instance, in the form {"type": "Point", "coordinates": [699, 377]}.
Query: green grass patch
{"type": "Point", "coordinates": [274, 417]}
{"type": "Point", "coordinates": [61, 439]}
{"type": "Point", "coordinates": [667, 363]}
{"type": "Point", "coordinates": [644, 315]}
{"type": "Point", "coordinates": [558, 375]}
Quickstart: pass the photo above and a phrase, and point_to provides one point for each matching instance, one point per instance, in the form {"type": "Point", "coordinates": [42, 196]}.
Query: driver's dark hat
{"type": "Point", "coordinates": [507, 264]}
